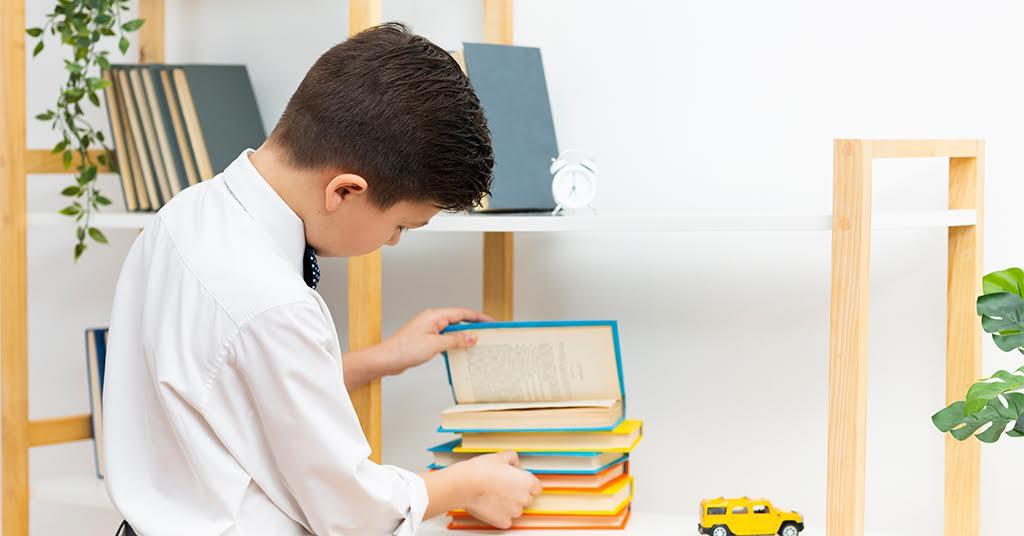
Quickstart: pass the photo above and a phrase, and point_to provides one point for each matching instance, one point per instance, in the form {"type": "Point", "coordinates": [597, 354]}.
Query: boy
{"type": "Point", "coordinates": [226, 408]}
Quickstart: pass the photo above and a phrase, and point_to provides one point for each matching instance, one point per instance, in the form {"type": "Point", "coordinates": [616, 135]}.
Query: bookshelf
{"type": "Point", "coordinates": [851, 228]}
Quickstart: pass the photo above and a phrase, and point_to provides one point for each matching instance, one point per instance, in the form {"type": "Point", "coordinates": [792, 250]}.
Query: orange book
{"type": "Point", "coordinates": [463, 521]}
{"type": "Point", "coordinates": [552, 481]}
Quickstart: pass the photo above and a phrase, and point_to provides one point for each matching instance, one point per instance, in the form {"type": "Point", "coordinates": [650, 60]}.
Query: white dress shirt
{"type": "Point", "coordinates": [225, 408]}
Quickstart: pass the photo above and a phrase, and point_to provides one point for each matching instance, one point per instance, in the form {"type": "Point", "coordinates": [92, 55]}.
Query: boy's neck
{"type": "Point", "coordinates": [290, 183]}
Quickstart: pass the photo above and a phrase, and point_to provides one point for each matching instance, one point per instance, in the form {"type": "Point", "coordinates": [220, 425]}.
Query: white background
{"type": "Point", "coordinates": [689, 106]}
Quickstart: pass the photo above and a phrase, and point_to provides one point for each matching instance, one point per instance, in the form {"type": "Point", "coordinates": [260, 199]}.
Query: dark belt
{"type": "Point", "coordinates": [125, 530]}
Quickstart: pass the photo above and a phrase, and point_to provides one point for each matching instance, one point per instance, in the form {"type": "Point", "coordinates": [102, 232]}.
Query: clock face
{"type": "Point", "coordinates": [573, 187]}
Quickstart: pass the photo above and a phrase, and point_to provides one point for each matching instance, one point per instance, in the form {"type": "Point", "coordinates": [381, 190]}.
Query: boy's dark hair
{"type": "Point", "coordinates": [397, 109]}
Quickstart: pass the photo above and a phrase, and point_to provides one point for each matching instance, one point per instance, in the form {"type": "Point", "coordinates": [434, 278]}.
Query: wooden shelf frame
{"type": "Point", "coordinates": [851, 231]}
{"type": "Point", "coordinates": [848, 326]}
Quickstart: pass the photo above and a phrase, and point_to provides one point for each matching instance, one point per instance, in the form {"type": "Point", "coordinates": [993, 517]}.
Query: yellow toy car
{"type": "Point", "coordinates": [746, 517]}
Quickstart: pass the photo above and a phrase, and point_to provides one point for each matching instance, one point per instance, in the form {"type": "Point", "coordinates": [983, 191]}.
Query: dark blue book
{"type": "Point", "coordinates": [510, 83]}
{"type": "Point", "coordinates": [95, 362]}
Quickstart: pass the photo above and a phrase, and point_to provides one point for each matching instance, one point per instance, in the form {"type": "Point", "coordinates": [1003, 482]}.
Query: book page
{"type": "Point", "coordinates": [536, 364]}
{"type": "Point", "coordinates": [502, 406]}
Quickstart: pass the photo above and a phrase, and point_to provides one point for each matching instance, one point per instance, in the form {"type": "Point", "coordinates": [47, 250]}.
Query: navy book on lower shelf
{"type": "Point", "coordinates": [95, 361]}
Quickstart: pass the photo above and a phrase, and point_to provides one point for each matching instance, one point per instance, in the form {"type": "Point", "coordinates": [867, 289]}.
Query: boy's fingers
{"type": "Point", "coordinates": [454, 315]}
{"type": "Point", "coordinates": [537, 487]}
{"type": "Point", "coordinates": [458, 339]}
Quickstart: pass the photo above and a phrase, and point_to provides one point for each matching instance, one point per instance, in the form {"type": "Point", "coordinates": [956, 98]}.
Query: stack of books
{"type": "Point", "coordinates": [175, 125]}
{"type": "Point", "coordinates": [553, 392]}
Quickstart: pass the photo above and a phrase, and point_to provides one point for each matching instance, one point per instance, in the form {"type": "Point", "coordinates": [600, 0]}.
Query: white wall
{"type": "Point", "coordinates": [689, 106]}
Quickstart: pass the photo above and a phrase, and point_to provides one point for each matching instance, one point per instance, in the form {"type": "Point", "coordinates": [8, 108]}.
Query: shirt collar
{"type": "Point", "coordinates": [267, 209]}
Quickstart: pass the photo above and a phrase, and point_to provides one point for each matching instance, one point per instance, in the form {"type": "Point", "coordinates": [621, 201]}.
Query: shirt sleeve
{"type": "Point", "coordinates": [313, 432]}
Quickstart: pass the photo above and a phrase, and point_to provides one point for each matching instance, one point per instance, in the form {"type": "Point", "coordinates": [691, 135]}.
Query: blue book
{"type": "Point", "coordinates": [95, 362]}
{"type": "Point", "coordinates": [550, 376]}
{"type": "Point", "coordinates": [540, 463]}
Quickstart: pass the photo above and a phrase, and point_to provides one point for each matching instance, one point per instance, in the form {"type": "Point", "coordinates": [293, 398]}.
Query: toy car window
{"type": "Point", "coordinates": [739, 509]}
{"type": "Point", "coordinates": [716, 511]}
{"type": "Point", "coordinates": [760, 509]}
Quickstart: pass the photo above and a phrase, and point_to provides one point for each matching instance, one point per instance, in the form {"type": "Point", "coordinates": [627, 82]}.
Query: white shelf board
{"type": "Point", "coordinates": [82, 490]}
{"type": "Point", "coordinates": [612, 222]}
{"type": "Point", "coordinates": [89, 491]}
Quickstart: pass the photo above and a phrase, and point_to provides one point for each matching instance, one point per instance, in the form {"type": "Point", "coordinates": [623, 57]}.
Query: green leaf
{"type": "Point", "coordinates": [961, 426]}
{"type": "Point", "coordinates": [89, 173]}
{"type": "Point", "coordinates": [79, 249]}
{"type": "Point", "coordinates": [34, 32]}
{"type": "Point", "coordinates": [37, 49]}
{"type": "Point", "coordinates": [74, 94]}
{"type": "Point", "coordinates": [61, 145]}
{"type": "Point", "coordinates": [94, 99]}
{"type": "Point", "coordinates": [103, 62]}
{"type": "Point", "coordinates": [70, 210]}
{"type": "Point", "coordinates": [67, 159]}
{"type": "Point", "coordinates": [80, 233]}
{"type": "Point", "coordinates": [101, 200]}
{"type": "Point", "coordinates": [102, 18]}
{"type": "Point", "coordinates": [981, 392]}
{"type": "Point", "coordinates": [83, 41]}
{"type": "Point", "coordinates": [133, 25]}
{"type": "Point", "coordinates": [97, 235]}
{"type": "Point", "coordinates": [1009, 280]}
{"type": "Point", "coordinates": [71, 191]}
{"type": "Point", "coordinates": [98, 83]}
{"type": "Point", "coordinates": [1002, 315]}
{"type": "Point", "coordinates": [122, 45]}
{"type": "Point", "coordinates": [107, 31]}
{"type": "Point", "coordinates": [45, 116]}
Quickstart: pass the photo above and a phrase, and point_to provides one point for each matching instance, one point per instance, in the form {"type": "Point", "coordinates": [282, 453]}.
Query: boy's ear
{"type": "Point", "coordinates": [341, 188]}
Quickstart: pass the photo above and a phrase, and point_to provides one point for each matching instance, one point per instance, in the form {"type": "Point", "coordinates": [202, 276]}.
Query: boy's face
{"type": "Point", "coordinates": [351, 225]}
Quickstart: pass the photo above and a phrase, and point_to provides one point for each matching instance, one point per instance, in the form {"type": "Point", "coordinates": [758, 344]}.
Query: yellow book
{"type": "Point", "coordinates": [607, 501]}
{"type": "Point", "coordinates": [620, 439]}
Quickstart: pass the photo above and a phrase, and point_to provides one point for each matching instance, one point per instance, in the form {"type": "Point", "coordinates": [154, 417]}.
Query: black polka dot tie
{"type": "Point", "coordinates": [310, 268]}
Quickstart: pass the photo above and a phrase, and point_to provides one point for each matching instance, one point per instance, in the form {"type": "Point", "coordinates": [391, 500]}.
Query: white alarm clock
{"type": "Point", "coordinates": [574, 181]}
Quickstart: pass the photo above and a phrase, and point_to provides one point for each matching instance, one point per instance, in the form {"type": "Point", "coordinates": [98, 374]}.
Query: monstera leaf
{"type": "Point", "coordinates": [979, 395]}
{"type": "Point", "coordinates": [1002, 308]}
{"type": "Point", "coordinates": [993, 404]}
{"type": "Point", "coordinates": [962, 426]}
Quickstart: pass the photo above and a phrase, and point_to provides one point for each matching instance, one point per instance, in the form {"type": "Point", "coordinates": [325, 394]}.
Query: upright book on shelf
{"type": "Point", "coordinates": [95, 362]}
{"type": "Point", "coordinates": [174, 125]}
{"type": "Point", "coordinates": [510, 83]}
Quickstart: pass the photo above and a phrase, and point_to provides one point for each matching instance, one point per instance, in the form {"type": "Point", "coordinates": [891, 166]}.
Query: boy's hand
{"type": "Point", "coordinates": [420, 339]}
{"type": "Point", "coordinates": [503, 490]}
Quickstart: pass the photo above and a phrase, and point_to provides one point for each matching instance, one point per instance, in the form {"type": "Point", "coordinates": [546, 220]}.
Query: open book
{"type": "Point", "coordinates": [536, 376]}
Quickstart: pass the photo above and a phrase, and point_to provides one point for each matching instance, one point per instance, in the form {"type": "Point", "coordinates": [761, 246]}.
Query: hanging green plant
{"type": "Point", "coordinates": [994, 406]}
{"type": "Point", "coordinates": [82, 26]}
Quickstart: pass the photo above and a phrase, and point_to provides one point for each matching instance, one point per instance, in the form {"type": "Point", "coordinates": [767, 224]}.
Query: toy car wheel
{"type": "Point", "coordinates": [720, 530]}
{"type": "Point", "coordinates": [789, 529]}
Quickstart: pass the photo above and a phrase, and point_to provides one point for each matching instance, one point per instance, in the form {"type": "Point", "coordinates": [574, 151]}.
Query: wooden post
{"type": "Point", "coordinates": [364, 283]}
{"type": "Point", "coordinates": [498, 275]}
{"type": "Point", "coordinates": [151, 35]}
{"type": "Point", "coordinates": [13, 275]}
{"type": "Point", "coordinates": [499, 248]}
{"type": "Point", "coordinates": [364, 329]}
{"type": "Point", "coordinates": [498, 21]}
{"type": "Point", "coordinates": [848, 341]}
{"type": "Point", "coordinates": [963, 342]}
